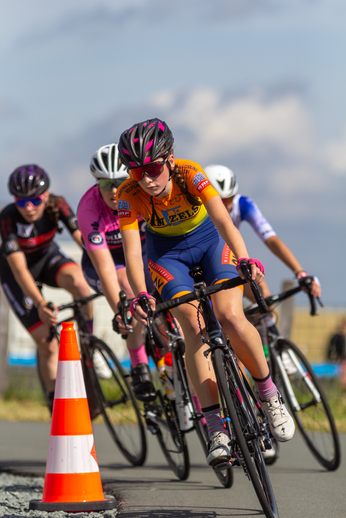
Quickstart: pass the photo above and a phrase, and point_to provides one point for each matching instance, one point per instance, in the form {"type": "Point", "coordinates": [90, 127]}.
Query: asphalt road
{"type": "Point", "coordinates": [302, 487]}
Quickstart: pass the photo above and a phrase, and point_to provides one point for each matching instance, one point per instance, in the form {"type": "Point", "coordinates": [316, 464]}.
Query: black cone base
{"type": "Point", "coordinates": [100, 505]}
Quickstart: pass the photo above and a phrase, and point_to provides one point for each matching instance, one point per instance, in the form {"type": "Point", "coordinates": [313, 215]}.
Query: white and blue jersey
{"type": "Point", "coordinates": [244, 208]}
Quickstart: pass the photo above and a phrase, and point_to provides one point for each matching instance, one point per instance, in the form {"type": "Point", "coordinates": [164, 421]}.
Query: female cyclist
{"type": "Point", "coordinates": [103, 261]}
{"type": "Point", "coordinates": [29, 258]}
{"type": "Point", "coordinates": [186, 219]}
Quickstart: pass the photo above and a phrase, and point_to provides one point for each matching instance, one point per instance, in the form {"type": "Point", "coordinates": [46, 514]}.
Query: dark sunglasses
{"type": "Point", "coordinates": [21, 202]}
{"type": "Point", "coordinates": [107, 184]}
{"type": "Point", "coordinates": [152, 170]}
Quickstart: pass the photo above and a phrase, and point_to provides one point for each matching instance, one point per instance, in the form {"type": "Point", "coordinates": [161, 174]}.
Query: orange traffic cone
{"type": "Point", "coordinates": [72, 481]}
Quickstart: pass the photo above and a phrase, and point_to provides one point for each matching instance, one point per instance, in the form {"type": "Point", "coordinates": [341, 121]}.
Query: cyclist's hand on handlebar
{"type": "Point", "coordinates": [314, 287]}
{"type": "Point", "coordinates": [138, 312]}
{"type": "Point", "coordinates": [119, 326]}
{"type": "Point", "coordinates": [47, 312]}
{"type": "Point", "coordinates": [255, 266]}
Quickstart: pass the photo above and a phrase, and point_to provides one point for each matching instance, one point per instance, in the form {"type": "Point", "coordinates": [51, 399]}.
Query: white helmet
{"type": "Point", "coordinates": [222, 179]}
{"type": "Point", "coordinates": [105, 164]}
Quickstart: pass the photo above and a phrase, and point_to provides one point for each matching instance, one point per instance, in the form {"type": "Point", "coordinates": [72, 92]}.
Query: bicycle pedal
{"type": "Point", "coordinates": [235, 461]}
{"type": "Point", "coordinates": [152, 429]}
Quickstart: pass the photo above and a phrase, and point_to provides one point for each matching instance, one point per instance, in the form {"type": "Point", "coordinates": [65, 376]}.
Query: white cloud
{"type": "Point", "coordinates": [335, 153]}
{"type": "Point", "coordinates": [219, 126]}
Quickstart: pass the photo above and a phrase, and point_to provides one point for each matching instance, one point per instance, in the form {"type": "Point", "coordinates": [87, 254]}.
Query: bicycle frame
{"type": "Point", "coordinates": [217, 341]}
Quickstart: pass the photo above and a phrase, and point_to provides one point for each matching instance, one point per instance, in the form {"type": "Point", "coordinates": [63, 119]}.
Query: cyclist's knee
{"type": "Point", "coordinates": [72, 279]}
{"type": "Point", "coordinates": [47, 349]}
{"type": "Point", "coordinates": [233, 321]}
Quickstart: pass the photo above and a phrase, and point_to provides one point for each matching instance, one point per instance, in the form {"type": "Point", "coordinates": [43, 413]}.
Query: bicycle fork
{"type": "Point", "coordinates": [303, 375]}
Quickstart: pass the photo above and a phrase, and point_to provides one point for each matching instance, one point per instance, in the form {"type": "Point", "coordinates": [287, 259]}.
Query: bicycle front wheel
{"type": "Point", "coordinates": [162, 421]}
{"type": "Point", "coordinates": [119, 407]}
{"type": "Point", "coordinates": [246, 442]}
{"type": "Point", "coordinates": [309, 405]}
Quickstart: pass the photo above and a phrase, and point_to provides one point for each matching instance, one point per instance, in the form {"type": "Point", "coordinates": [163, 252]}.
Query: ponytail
{"type": "Point", "coordinates": [180, 179]}
{"type": "Point", "coordinates": [52, 210]}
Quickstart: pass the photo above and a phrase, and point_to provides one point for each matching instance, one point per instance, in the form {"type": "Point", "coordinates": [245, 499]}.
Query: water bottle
{"type": "Point", "coordinates": [169, 365]}
{"type": "Point", "coordinates": [166, 382]}
{"type": "Point", "coordinates": [184, 411]}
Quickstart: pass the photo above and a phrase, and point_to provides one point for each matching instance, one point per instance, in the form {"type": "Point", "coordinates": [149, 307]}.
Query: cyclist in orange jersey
{"type": "Point", "coordinates": [188, 225]}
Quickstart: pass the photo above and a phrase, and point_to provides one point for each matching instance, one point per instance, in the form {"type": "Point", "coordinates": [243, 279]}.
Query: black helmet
{"type": "Point", "coordinates": [27, 181]}
{"type": "Point", "coordinates": [145, 142]}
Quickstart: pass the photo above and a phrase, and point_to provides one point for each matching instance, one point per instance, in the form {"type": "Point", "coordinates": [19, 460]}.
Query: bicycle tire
{"type": "Point", "coordinates": [234, 404]}
{"type": "Point", "coordinates": [225, 477]}
{"type": "Point", "coordinates": [42, 385]}
{"type": "Point", "coordinates": [314, 419]}
{"type": "Point", "coordinates": [163, 422]}
{"type": "Point", "coordinates": [119, 406]}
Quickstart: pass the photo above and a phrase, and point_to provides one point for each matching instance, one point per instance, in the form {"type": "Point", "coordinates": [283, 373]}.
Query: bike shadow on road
{"type": "Point", "coordinates": [170, 512]}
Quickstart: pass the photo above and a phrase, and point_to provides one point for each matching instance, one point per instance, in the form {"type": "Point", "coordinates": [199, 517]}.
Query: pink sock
{"type": "Point", "coordinates": [266, 388]}
{"type": "Point", "coordinates": [198, 409]}
{"type": "Point", "coordinates": [214, 420]}
{"type": "Point", "coordinates": [138, 356]}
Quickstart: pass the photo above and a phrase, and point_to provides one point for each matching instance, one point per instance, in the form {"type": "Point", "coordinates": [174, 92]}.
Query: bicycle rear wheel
{"type": "Point", "coordinates": [246, 442]}
{"type": "Point", "coordinates": [119, 406]}
{"type": "Point", "coordinates": [226, 476]}
{"type": "Point", "coordinates": [309, 405]}
{"type": "Point", "coordinates": [162, 421]}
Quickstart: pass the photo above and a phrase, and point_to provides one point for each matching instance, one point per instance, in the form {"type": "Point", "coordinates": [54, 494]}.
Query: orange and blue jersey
{"type": "Point", "coordinates": [179, 233]}
{"type": "Point", "coordinates": [174, 215]}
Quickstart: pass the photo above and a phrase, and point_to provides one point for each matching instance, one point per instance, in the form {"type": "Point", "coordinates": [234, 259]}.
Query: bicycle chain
{"type": "Point", "coordinates": [242, 461]}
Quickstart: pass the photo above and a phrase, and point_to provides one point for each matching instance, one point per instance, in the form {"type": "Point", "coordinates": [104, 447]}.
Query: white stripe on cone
{"type": "Point", "coordinates": [69, 380]}
{"type": "Point", "coordinates": [71, 454]}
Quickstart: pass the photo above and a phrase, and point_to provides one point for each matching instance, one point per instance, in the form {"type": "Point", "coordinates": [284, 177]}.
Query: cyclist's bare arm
{"type": "Point", "coordinates": [134, 266]}
{"type": "Point", "coordinates": [17, 263]}
{"type": "Point", "coordinates": [105, 268]}
{"type": "Point", "coordinates": [222, 220]}
{"type": "Point", "coordinates": [77, 236]}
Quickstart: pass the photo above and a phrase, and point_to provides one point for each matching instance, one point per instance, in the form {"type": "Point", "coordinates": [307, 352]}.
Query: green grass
{"type": "Point", "coordinates": [22, 402]}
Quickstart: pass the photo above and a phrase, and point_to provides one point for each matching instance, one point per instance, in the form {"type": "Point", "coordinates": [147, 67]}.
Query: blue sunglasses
{"type": "Point", "coordinates": [21, 202]}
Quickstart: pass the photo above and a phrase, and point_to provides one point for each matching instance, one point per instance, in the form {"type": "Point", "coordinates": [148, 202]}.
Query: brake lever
{"type": "Point", "coordinates": [123, 307]}
{"type": "Point", "coordinates": [262, 305]}
{"type": "Point", "coordinates": [52, 330]}
{"type": "Point", "coordinates": [307, 283]}
{"type": "Point", "coordinates": [144, 303]}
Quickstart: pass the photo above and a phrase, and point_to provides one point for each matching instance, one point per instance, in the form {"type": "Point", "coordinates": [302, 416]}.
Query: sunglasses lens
{"type": "Point", "coordinates": [36, 201]}
{"type": "Point", "coordinates": [108, 184]}
{"type": "Point", "coordinates": [153, 170]}
{"type": "Point", "coordinates": [21, 202]}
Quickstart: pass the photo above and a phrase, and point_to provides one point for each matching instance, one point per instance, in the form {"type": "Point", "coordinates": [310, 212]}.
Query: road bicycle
{"type": "Point", "coordinates": [170, 419]}
{"type": "Point", "coordinates": [294, 376]}
{"type": "Point", "coordinates": [244, 418]}
{"type": "Point", "coordinates": [108, 390]}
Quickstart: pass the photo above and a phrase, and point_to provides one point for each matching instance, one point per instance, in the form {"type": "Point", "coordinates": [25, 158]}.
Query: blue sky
{"type": "Point", "coordinates": [257, 86]}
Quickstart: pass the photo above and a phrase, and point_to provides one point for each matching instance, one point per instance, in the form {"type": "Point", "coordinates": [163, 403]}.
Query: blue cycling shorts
{"type": "Point", "coordinates": [170, 258]}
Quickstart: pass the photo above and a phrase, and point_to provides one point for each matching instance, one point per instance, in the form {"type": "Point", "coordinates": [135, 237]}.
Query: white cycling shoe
{"type": "Point", "coordinates": [280, 422]}
{"type": "Point", "coordinates": [219, 450]}
{"type": "Point", "coordinates": [290, 368]}
{"type": "Point", "coordinates": [102, 370]}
